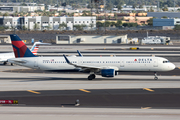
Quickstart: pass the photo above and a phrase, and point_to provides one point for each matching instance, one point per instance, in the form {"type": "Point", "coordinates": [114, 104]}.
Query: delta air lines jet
{"type": "Point", "coordinates": [104, 66]}
{"type": "Point", "coordinates": [5, 56]}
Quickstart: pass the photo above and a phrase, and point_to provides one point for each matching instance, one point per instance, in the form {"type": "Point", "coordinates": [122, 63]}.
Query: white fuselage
{"type": "Point", "coordinates": [131, 63]}
{"type": "Point", "coordinates": [5, 56]}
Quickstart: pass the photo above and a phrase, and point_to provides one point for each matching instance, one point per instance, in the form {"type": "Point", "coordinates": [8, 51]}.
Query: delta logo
{"type": "Point", "coordinates": [143, 59]}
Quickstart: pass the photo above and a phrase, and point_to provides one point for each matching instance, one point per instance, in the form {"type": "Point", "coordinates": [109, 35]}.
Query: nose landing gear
{"type": "Point", "coordinates": [155, 76]}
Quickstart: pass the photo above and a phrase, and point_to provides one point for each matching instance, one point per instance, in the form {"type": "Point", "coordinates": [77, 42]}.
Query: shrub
{"type": "Point", "coordinates": [177, 27]}
{"type": "Point", "coordinates": [130, 24]}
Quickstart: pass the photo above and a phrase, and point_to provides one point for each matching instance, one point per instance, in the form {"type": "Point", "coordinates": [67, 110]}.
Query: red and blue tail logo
{"type": "Point", "coordinates": [20, 49]}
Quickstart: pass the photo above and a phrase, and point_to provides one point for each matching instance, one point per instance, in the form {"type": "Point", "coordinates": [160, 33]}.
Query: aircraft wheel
{"type": "Point", "coordinates": [89, 78]}
{"type": "Point", "coordinates": [92, 76]}
{"type": "Point", "coordinates": [11, 64]}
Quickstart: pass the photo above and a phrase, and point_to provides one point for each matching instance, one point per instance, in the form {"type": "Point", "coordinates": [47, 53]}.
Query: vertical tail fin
{"type": "Point", "coordinates": [20, 49]}
{"type": "Point", "coordinates": [35, 48]}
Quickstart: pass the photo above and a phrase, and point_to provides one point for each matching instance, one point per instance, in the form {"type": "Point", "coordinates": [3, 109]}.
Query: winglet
{"type": "Point", "coordinates": [79, 53]}
{"type": "Point", "coordinates": [66, 59]}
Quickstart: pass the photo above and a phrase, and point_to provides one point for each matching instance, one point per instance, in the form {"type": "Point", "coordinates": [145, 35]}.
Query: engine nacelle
{"type": "Point", "coordinates": [108, 73]}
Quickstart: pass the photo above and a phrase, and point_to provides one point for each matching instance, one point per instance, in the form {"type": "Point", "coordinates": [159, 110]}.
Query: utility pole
{"type": "Point", "coordinates": [97, 12]}
{"type": "Point", "coordinates": [57, 5]}
{"type": "Point", "coordinates": [33, 5]}
{"type": "Point", "coordinates": [174, 5]}
{"type": "Point", "coordinates": [91, 15]}
{"type": "Point", "coordinates": [158, 5]}
{"type": "Point", "coordinates": [64, 5]}
{"type": "Point", "coordinates": [105, 17]}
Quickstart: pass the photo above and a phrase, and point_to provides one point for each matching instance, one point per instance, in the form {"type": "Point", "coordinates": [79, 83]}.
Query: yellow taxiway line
{"type": "Point", "coordinates": [33, 92]}
{"type": "Point", "coordinates": [148, 89]}
{"type": "Point", "coordinates": [146, 107]}
{"type": "Point", "coordinates": [85, 90]}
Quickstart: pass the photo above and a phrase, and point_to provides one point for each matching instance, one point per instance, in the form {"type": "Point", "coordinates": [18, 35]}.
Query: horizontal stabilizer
{"type": "Point", "coordinates": [16, 61]}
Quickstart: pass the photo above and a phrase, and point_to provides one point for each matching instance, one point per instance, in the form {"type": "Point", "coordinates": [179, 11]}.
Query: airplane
{"type": "Point", "coordinates": [104, 66]}
{"type": "Point", "coordinates": [5, 56]}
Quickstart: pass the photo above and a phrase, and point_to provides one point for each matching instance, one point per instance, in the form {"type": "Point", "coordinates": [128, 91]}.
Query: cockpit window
{"type": "Point", "coordinates": [165, 61]}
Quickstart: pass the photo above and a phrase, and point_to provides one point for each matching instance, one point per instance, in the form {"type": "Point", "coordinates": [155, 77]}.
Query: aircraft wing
{"type": "Point", "coordinates": [87, 67]}
{"type": "Point", "coordinates": [83, 67]}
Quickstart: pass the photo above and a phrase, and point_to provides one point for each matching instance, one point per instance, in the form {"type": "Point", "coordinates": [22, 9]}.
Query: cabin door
{"type": "Point", "coordinates": [155, 62]}
{"type": "Point", "coordinates": [80, 62]}
{"type": "Point", "coordinates": [121, 63]}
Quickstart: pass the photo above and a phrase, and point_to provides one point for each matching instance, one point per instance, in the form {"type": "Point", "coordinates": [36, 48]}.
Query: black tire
{"type": "Point", "coordinates": [89, 77]}
{"type": "Point", "coordinates": [93, 76]}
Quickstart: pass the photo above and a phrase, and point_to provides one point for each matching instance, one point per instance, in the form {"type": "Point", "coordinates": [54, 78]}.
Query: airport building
{"type": "Point", "coordinates": [47, 23]}
{"type": "Point", "coordinates": [166, 22]}
{"type": "Point", "coordinates": [21, 8]}
{"type": "Point", "coordinates": [91, 39]}
{"type": "Point", "coordinates": [159, 15]}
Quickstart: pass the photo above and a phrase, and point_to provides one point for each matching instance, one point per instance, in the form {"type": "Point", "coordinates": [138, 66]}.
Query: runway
{"type": "Point", "coordinates": [63, 89]}
{"type": "Point", "coordinates": [170, 52]}
{"type": "Point", "coordinates": [52, 96]}
{"type": "Point", "coordinates": [98, 98]}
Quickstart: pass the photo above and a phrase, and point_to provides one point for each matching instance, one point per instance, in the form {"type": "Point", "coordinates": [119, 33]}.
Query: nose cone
{"type": "Point", "coordinates": [172, 66]}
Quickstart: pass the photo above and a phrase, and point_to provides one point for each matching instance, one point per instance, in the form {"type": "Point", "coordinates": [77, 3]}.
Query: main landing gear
{"type": "Point", "coordinates": [155, 76]}
{"type": "Point", "coordinates": [5, 63]}
{"type": "Point", "coordinates": [91, 76]}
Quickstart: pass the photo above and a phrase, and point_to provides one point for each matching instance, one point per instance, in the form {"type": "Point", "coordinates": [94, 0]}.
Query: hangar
{"type": "Point", "coordinates": [91, 39]}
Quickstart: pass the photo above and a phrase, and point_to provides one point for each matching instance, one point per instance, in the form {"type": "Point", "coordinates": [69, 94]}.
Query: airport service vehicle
{"type": "Point", "coordinates": [104, 66]}
{"type": "Point", "coordinates": [5, 56]}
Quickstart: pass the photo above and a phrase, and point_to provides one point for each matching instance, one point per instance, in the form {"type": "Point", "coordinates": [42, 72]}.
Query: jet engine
{"type": "Point", "coordinates": [107, 72]}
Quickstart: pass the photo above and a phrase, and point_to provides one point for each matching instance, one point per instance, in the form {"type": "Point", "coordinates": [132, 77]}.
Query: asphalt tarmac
{"type": "Point", "coordinates": [103, 98]}
{"type": "Point", "coordinates": [34, 88]}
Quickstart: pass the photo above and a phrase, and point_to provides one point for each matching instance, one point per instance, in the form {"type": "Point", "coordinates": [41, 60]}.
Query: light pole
{"type": "Point", "coordinates": [105, 17]}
